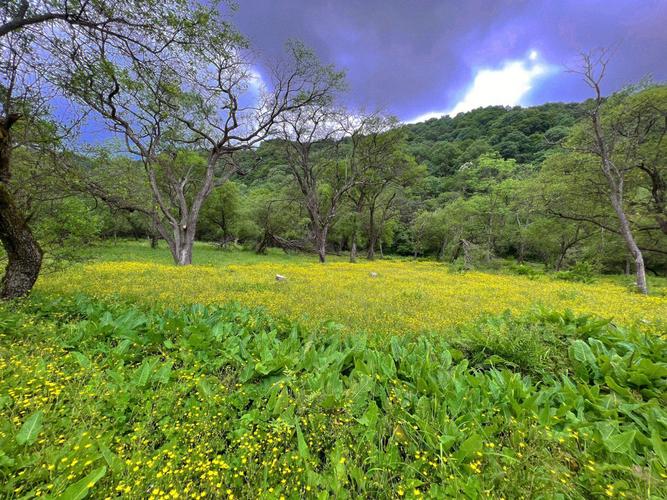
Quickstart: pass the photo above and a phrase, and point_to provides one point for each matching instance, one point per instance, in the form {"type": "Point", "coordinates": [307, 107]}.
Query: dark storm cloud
{"type": "Point", "coordinates": [411, 57]}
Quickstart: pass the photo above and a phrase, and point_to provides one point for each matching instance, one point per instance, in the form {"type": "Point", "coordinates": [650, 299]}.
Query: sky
{"type": "Point", "coordinates": [426, 58]}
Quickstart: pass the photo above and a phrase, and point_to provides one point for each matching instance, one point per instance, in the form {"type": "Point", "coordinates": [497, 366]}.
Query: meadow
{"type": "Point", "coordinates": [125, 377]}
{"type": "Point", "coordinates": [406, 296]}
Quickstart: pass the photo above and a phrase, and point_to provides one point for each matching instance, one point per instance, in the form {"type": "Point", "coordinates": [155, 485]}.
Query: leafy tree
{"type": "Point", "coordinates": [32, 35]}
{"type": "Point", "coordinates": [612, 137]}
{"type": "Point", "coordinates": [323, 166]}
{"type": "Point", "coordinates": [220, 217]}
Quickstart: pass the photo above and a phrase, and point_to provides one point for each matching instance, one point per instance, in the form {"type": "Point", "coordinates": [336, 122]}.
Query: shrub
{"type": "Point", "coordinates": [582, 272]}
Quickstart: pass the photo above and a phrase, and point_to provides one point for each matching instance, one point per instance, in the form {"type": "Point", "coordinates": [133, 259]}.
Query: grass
{"type": "Point", "coordinates": [107, 400]}
{"type": "Point", "coordinates": [405, 297]}
{"type": "Point", "coordinates": [206, 254]}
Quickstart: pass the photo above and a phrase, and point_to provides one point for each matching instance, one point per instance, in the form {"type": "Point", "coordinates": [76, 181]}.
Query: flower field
{"type": "Point", "coordinates": [104, 400]}
{"type": "Point", "coordinates": [404, 297]}
{"type": "Point", "coordinates": [124, 378]}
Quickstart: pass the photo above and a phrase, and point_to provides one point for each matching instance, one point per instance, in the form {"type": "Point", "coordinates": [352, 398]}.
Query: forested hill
{"type": "Point", "coordinates": [523, 134]}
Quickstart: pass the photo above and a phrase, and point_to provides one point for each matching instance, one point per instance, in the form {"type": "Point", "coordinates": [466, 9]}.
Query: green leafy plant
{"type": "Point", "coordinates": [105, 399]}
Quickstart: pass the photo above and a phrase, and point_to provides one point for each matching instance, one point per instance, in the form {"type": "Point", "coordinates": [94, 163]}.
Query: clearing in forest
{"type": "Point", "coordinates": [405, 296]}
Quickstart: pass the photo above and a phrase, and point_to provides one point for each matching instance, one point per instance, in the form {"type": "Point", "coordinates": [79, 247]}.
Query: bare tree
{"type": "Point", "coordinates": [600, 140]}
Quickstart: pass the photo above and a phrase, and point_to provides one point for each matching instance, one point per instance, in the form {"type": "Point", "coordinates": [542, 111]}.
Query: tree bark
{"type": "Point", "coordinates": [370, 253]}
{"type": "Point", "coordinates": [355, 222]}
{"type": "Point", "coordinates": [321, 244]}
{"type": "Point", "coordinates": [561, 257]}
{"type": "Point", "coordinates": [181, 250]}
{"type": "Point", "coordinates": [630, 242]}
{"type": "Point", "coordinates": [522, 252]}
{"type": "Point", "coordinates": [372, 243]}
{"type": "Point", "coordinates": [353, 250]}
{"type": "Point", "coordinates": [443, 247]}
{"type": "Point", "coordinates": [24, 255]}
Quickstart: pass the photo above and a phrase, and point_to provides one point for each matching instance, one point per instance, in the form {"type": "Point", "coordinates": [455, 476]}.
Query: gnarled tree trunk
{"type": "Point", "coordinates": [24, 255]}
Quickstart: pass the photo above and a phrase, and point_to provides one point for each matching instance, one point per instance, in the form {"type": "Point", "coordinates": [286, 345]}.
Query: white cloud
{"type": "Point", "coordinates": [256, 82]}
{"type": "Point", "coordinates": [505, 86]}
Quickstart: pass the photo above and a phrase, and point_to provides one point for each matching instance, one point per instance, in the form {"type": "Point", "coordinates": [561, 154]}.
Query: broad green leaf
{"type": "Point", "coordinates": [144, 373]}
{"type": "Point", "coordinates": [205, 390]}
{"type": "Point", "coordinates": [659, 447]}
{"type": "Point", "coordinates": [80, 489]}
{"type": "Point", "coordinates": [469, 447]}
{"type": "Point", "coordinates": [5, 461]}
{"type": "Point", "coordinates": [369, 418]}
{"type": "Point", "coordinates": [584, 359]}
{"type": "Point", "coordinates": [30, 428]}
{"type": "Point", "coordinates": [304, 452]}
{"type": "Point", "coordinates": [81, 359]}
{"type": "Point", "coordinates": [162, 375]}
{"type": "Point", "coordinates": [114, 463]}
{"type": "Point", "coordinates": [620, 443]}
{"type": "Point", "coordinates": [446, 442]}
{"type": "Point", "coordinates": [620, 390]}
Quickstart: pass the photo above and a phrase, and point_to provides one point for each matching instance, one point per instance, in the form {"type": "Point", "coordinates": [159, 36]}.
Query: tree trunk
{"type": "Point", "coordinates": [467, 257]}
{"type": "Point", "coordinates": [561, 256]}
{"type": "Point", "coordinates": [522, 252]}
{"type": "Point", "coordinates": [443, 247]}
{"type": "Point", "coordinates": [154, 233]}
{"type": "Point", "coordinates": [321, 242]}
{"type": "Point", "coordinates": [372, 242]}
{"type": "Point", "coordinates": [631, 244]}
{"type": "Point", "coordinates": [322, 251]}
{"type": "Point", "coordinates": [457, 251]}
{"type": "Point", "coordinates": [185, 255]}
{"type": "Point", "coordinates": [24, 255]}
{"type": "Point", "coordinates": [372, 238]}
{"type": "Point", "coordinates": [180, 241]}
{"type": "Point", "coordinates": [185, 242]}
{"type": "Point", "coordinates": [353, 237]}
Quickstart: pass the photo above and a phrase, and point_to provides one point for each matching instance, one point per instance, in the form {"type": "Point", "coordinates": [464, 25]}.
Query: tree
{"type": "Point", "coordinates": [385, 170]}
{"type": "Point", "coordinates": [388, 172]}
{"type": "Point", "coordinates": [323, 165]}
{"type": "Point", "coordinates": [31, 33]}
{"type": "Point", "coordinates": [221, 213]}
{"type": "Point", "coordinates": [186, 110]}
{"type": "Point", "coordinates": [640, 120]}
{"type": "Point", "coordinates": [598, 138]}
